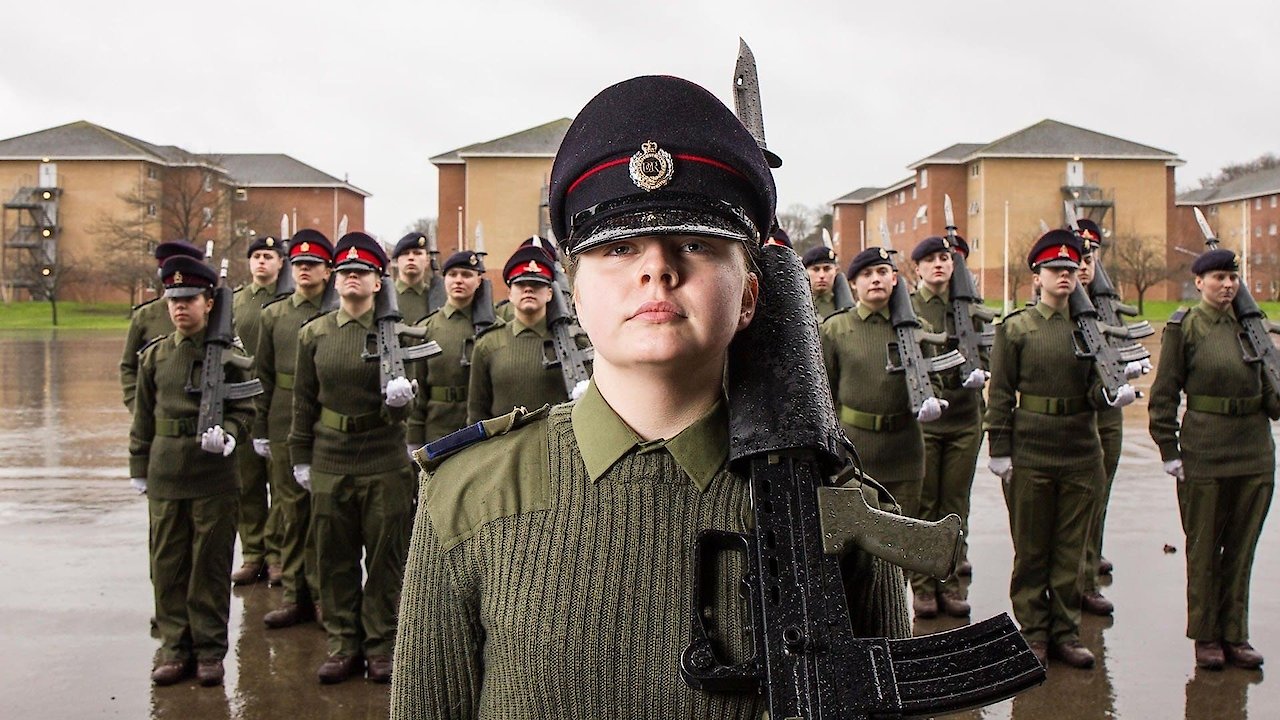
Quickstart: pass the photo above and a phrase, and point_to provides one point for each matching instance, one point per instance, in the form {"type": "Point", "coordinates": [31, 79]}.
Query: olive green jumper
{"type": "Point", "coordinates": [257, 536]}
{"type": "Point", "coordinates": [412, 299]}
{"type": "Point", "coordinates": [1228, 460]}
{"type": "Point", "coordinates": [147, 322]}
{"type": "Point", "coordinates": [441, 407]}
{"type": "Point", "coordinates": [550, 573]}
{"type": "Point", "coordinates": [824, 304]}
{"type": "Point", "coordinates": [247, 304]}
{"type": "Point", "coordinates": [507, 371]}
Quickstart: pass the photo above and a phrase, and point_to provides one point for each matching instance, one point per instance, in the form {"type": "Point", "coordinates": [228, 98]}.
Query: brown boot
{"type": "Point", "coordinates": [1209, 655]}
{"type": "Point", "coordinates": [1073, 653]}
{"type": "Point", "coordinates": [337, 668]}
{"type": "Point", "coordinates": [289, 614]}
{"type": "Point", "coordinates": [210, 673]}
{"type": "Point", "coordinates": [248, 574]}
{"type": "Point", "coordinates": [380, 668]}
{"type": "Point", "coordinates": [952, 604]}
{"type": "Point", "coordinates": [1105, 566]}
{"type": "Point", "coordinates": [275, 575]}
{"type": "Point", "coordinates": [1242, 655]}
{"type": "Point", "coordinates": [925, 606]}
{"type": "Point", "coordinates": [1095, 604]}
{"type": "Point", "coordinates": [168, 673]}
{"type": "Point", "coordinates": [1040, 649]}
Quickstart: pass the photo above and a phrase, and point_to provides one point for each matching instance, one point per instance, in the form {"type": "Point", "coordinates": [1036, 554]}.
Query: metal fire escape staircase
{"type": "Point", "coordinates": [31, 249]}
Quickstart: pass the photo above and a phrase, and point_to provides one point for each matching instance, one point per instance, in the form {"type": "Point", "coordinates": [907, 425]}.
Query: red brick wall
{"type": "Point", "coordinates": [453, 193]}
{"type": "Point", "coordinates": [846, 223]}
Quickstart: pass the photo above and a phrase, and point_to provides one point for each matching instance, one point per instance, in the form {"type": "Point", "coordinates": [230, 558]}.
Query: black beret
{"type": "Point", "coordinates": [657, 155]}
{"type": "Point", "coordinates": [929, 246]}
{"type": "Point", "coordinates": [265, 242]}
{"type": "Point", "coordinates": [358, 251]}
{"type": "Point", "coordinates": [409, 242]}
{"type": "Point", "coordinates": [1215, 260]}
{"type": "Point", "coordinates": [1090, 231]}
{"type": "Point", "coordinates": [166, 250]}
{"type": "Point", "coordinates": [528, 263]}
{"type": "Point", "coordinates": [780, 236]}
{"type": "Point", "coordinates": [867, 258]}
{"type": "Point", "coordinates": [817, 255]}
{"type": "Point", "coordinates": [1056, 249]}
{"type": "Point", "coordinates": [312, 245]}
{"type": "Point", "coordinates": [467, 259]}
{"type": "Point", "coordinates": [185, 276]}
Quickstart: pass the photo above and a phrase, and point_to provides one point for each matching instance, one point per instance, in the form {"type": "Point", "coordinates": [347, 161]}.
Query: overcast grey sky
{"type": "Point", "coordinates": [851, 95]}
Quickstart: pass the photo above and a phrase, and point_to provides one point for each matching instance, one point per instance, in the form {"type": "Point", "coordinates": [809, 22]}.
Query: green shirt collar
{"type": "Point", "coordinates": [539, 328]}
{"type": "Point", "coordinates": [255, 288]}
{"type": "Point", "coordinates": [365, 320]}
{"type": "Point", "coordinates": [449, 309]}
{"type": "Point", "coordinates": [926, 294]}
{"type": "Point", "coordinates": [1216, 315]}
{"type": "Point", "coordinates": [416, 288]}
{"type": "Point", "coordinates": [179, 338]}
{"type": "Point", "coordinates": [298, 299]}
{"type": "Point", "coordinates": [603, 438]}
{"type": "Point", "coordinates": [865, 312]}
{"type": "Point", "coordinates": [1047, 312]}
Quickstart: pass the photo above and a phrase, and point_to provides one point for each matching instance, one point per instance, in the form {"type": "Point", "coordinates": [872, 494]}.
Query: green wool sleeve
{"type": "Point", "coordinates": [129, 361]}
{"type": "Point", "coordinates": [439, 643]}
{"type": "Point", "coordinates": [143, 430]}
{"type": "Point", "coordinates": [238, 415]}
{"type": "Point", "coordinates": [480, 385]}
{"type": "Point", "coordinates": [832, 363]}
{"type": "Point", "coordinates": [416, 424]}
{"type": "Point", "coordinates": [306, 403]}
{"type": "Point", "coordinates": [265, 361]}
{"type": "Point", "coordinates": [1166, 393]}
{"type": "Point", "coordinates": [1003, 393]}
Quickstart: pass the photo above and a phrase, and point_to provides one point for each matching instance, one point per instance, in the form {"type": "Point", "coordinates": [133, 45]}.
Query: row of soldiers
{"type": "Point", "coordinates": [1055, 433]}
{"type": "Point", "coordinates": [312, 472]}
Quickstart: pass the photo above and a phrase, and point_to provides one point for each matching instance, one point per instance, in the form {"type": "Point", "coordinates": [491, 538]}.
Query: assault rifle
{"type": "Point", "coordinates": [841, 295]}
{"type": "Point", "coordinates": [905, 355]}
{"type": "Point", "coordinates": [966, 303]}
{"type": "Point", "coordinates": [285, 285]}
{"type": "Point", "coordinates": [219, 343]}
{"type": "Point", "coordinates": [805, 655]}
{"type": "Point", "coordinates": [1255, 341]}
{"type": "Point", "coordinates": [436, 293]}
{"type": "Point", "coordinates": [329, 299]}
{"type": "Point", "coordinates": [387, 350]}
{"type": "Point", "coordinates": [1092, 339]}
{"type": "Point", "coordinates": [482, 316]}
{"type": "Point", "coordinates": [562, 349]}
{"type": "Point", "coordinates": [1106, 299]}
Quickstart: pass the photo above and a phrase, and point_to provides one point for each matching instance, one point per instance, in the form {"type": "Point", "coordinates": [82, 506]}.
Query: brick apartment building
{"type": "Point", "coordinates": [498, 186]}
{"type": "Point", "coordinates": [1245, 215]}
{"type": "Point", "coordinates": [1007, 187]}
{"type": "Point", "coordinates": [84, 205]}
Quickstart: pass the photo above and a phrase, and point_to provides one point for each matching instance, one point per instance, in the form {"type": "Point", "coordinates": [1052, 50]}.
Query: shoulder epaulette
{"type": "Point", "coordinates": [433, 313]}
{"type": "Point", "coordinates": [149, 343]}
{"type": "Point", "coordinates": [1178, 315]}
{"type": "Point", "coordinates": [141, 305]}
{"type": "Point", "coordinates": [314, 318]}
{"type": "Point", "coordinates": [430, 456]}
{"type": "Point", "coordinates": [491, 328]}
{"type": "Point", "coordinates": [238, 288]}
{"type": "Point", "coordinates": [1012, 313]}
{"type": "Point", "coordinates": [273, 301]}
{"type": "Point", "coordinates": [841, 311]}
{"type": "Point", "coordinates": [500, 304]}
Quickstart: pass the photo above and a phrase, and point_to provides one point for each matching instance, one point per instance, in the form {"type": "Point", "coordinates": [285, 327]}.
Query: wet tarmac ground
{"type": "Point", "coordinates": [75, 598]}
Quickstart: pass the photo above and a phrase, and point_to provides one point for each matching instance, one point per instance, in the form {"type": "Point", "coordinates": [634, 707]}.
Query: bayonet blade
{"type": "Point", "coordinates": [479, 243]}
{"type": "Point", "coordinates": [1209, 237]}
{"type": "Point", "coordinates": [746, 100]}
{"type": "Point", "coordinates": [826, 239]}
{"type": "Point", "coordinates": [1069, 212]}
{"type": "Point", "coordinates": [284, 226]}
{"type": "Point", "coordinates": [342, 226]}
{"type": "Point", "coordinates": [948, 215]}
{"type": "Point", "coordinates": [1044, 226]}
{"type": "Point", "coordinates": [884, 235]}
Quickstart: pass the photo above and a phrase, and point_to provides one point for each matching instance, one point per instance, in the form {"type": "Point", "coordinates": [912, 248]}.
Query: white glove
{"type": "Point", "coordinates": [412, 448]}
{"type": "Point", "coordinates": [1146, 365]}
{"type": "Point", "coordinates": [1124, 396]}
{"type": "Point", "coordinates": [302, 476]}
{"type": "Point", "coordinates": [579, 390]}
{"type": "Point", "coordinates": [1174, 468]}
{"type": "Point", "coordinates": [139, 484]}
{"type": "Point", "coordinates": [216, 440]}
{"type": "Point", "coordinates": [1134, 370]}
{"type": "Point", "coordinates": [262, 447]}
{"type": "Point", "coordinates": [1002, 467]}
{"type": "Point", "coordinates": [976, 379]}
{"type": "Point", "coordinates": [931, 409]}
{"type": "Point", "coordinates": [400, 391]}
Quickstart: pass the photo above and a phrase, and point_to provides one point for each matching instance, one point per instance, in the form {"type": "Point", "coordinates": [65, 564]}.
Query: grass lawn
{"type": "Point", "coordinates": [71, 315]}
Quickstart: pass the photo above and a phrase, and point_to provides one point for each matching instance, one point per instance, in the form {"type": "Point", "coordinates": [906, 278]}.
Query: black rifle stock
{"type": "Point", "coordinates": [562, 349]}
{"type": "Point", "coordinates": [785, 439]}
{"type": "Point", "coordinates": [905, 355]}
{"type": "Point", "coordinates": [285, 285]}
{"type": "Point", "coordinates": [329, 300]}
{"type": "Point", "coordinates": [1094, 340]}
{"type": "Point", "coordinates": [482, 318]}
{"type": "Point", "coordinates": [967, 307]}
{"type": "Point", "coordinates": [436, 293]}
{"type": "Point", "coordinates": [219, 345]}
{"type": "Point", "coordinates": [388, 352]}
{"type": "Point", "coordinates": [841, 295]}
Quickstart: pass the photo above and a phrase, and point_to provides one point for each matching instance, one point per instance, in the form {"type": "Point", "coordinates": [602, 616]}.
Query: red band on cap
{"type": "Point", "coordinates": [1054, 252]}
{"type": "Point", "coordinates": [533, 267]}
{"type": "Point", "coordinates": [309, 248]}
{"type": "Point", "coordinates": [355, 253]}
{"type": "Point", "coordinates": [627, 160]}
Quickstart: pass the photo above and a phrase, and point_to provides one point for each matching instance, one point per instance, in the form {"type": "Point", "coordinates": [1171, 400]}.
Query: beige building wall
{"type": "Point", "coordinates": [877, 214]}
{"type": "Point", "coordinates": [503, 195]}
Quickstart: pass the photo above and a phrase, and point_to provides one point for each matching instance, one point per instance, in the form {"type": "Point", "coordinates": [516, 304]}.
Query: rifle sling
{"type": "Point", "coordinates": [176, 427]}
{"type": "Point", "coordinates": [350, 423]}
{"type": "Point", "coordinates": [1054, 405]}
{"type": "Point", "coordinates": [872, 421]}
{"type": "Point", "coordinates": [1236, 406]}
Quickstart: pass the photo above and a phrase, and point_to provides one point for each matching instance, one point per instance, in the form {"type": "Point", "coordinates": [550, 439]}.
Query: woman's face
{"type": "Point", "coordinates": [1218, 287]}
{"type": "Point", "coordinates": [663, 300]}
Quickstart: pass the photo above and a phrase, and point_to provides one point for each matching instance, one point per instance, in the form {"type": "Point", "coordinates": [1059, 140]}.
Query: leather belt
{"type": "Point", "coordinates": [872, 421]}
{"type": "Point", "coordinates": [1054, 405]}
{"type": "Point", "coordinates": [350, 423]}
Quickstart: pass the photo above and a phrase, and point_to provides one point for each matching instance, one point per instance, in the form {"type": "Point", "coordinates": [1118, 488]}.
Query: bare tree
{"type": "Point", "coordinates": [1139, 262]}
{"type": "Point", "coordinates": [425, 225]}
{"type": "Point", "coordinates": [1232, 171]}
{"type": "Point", "coordinates": [798, 221]}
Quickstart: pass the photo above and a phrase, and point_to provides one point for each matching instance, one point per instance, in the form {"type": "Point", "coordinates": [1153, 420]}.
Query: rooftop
{"type": "Point", "coordinates": [541, 141]}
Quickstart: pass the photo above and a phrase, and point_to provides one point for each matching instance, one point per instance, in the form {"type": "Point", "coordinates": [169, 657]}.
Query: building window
{"type": "Point", "coordinates": [902, 196]}
{"type": "Point", "coordinates": [913, 192]}
{"type": "Point", "coordinates": [1273, 201]}
{"type": "Point", "coordinates": [1257, 203]}
{"type": "Point", "coordinates": [151, 210]}
{"type": "Point", "coordinates": [208, 182]}
{"type": "Point", "coordinates": [924, 181]}
{"type": "Point", "coordinates": [152, 173]}
{"type": "Point", "coordinates": [242, 194]}
{"type": "Point", "coordinates": [975, 170]}
{"type": "Point", "coordinates": [1257, 232]}
{"type": "Point", "coordinates": [974, 208]}
{"type": "Point", "coordinates": [207, 214]}
{"type": "Point", "coordinates": [976, 243]}
{"type": "Point", "coordinates": [1272, 230]}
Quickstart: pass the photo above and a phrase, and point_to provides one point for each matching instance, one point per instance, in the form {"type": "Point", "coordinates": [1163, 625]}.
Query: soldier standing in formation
{"type": "Point", "coordinates": [820, 264]}
{"type": "Point", "coordinates": [259, 554]}
{"type": "Point", "coordinates": [1222, 455]}
{"type": "Point", "coordinates": [1044, 447]}
{"type": "Point", "coordinates": [347, 446]}
{"type": "Point", "coordinates": [873, 404]}
{"type": "Point", "coordinates": [310, 255]}
{"type": "Point", "coordinates": [508, 364]}
{"type": "Point", "coordinates": [516, 602]}
{"type": "Point", "coordinates": [149, 320]}
{"type": "Point", "coordinates": [412, 280]}
{"type": "Point", "coordinates": [951, 443]}
{"type": "Point", "coordinates": [190, 482]}
{"type": "Point", "coordinates": [442, 405]}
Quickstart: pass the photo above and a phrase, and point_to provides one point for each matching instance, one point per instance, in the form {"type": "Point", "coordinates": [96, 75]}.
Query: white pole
{"type": "Point", "coordinates": [862, 235]}
{"type": "Point", "coordinates": [1244, 242]}
{"type": "Point", "coordinates": [1008, 302]}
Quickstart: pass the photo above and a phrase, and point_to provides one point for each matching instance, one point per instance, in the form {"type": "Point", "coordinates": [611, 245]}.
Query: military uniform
{"type": "Point", "coordinates": [413, 300]}
{"type": "Point", "coordinates": [530, 547]}
{"type": "Point", "coordinates": [1224, 442]}
{"type": "Point", "coordinates": [824, 304]}
{"type": "Point", "coordinates": [507, 371]}
{"type": "Point", "coordinates": [257, 539]}
{"type": "Point", "coordinates": [147, 322]}
{"type": "Point", "coordinates": [951, 443]}
{"type": "Point", "coordinates": [442, 406]}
